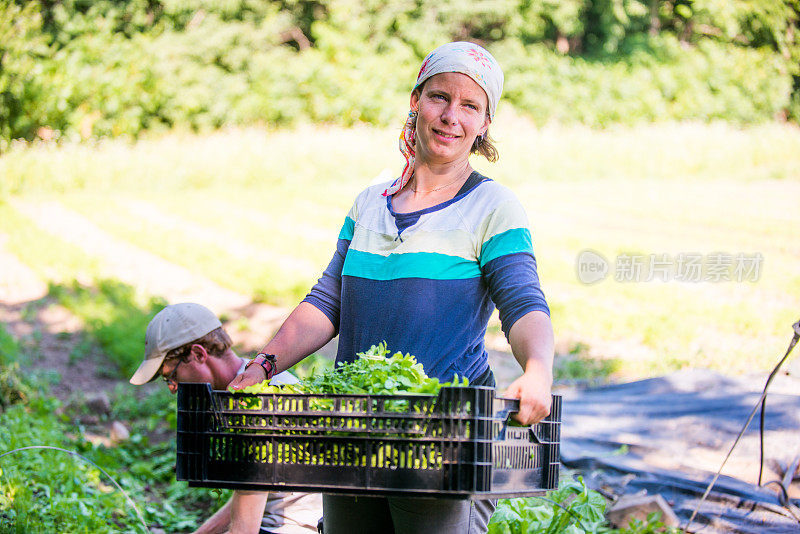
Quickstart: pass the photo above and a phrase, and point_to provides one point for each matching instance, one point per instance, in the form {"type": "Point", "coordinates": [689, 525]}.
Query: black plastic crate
{"type": "Point", "coordinates": [456, 444]}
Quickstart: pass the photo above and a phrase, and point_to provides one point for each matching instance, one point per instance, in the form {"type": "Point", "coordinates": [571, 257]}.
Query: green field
{"type": "Point", "coordinates": [208, 150]}
{"type": "Point", "coordinates": [258, 211]}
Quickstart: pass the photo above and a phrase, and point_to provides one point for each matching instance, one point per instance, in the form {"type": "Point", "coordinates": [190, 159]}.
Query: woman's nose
{"type": "Point", "coordinates": [449, 115]}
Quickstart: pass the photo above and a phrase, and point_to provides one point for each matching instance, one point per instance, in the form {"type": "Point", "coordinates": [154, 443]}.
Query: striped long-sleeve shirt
{"type": "Point", "coordinates": [427, 282]}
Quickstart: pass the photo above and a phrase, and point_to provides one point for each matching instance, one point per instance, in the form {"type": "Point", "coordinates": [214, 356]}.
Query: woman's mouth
{"type": "Point", "coordinates": [445, 135]}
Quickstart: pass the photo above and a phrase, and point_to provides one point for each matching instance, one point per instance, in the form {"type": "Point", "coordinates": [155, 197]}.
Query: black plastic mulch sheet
{"type": "Point", "coordinates": [669, 435]}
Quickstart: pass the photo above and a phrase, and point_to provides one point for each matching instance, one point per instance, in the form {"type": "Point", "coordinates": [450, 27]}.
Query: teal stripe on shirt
{"type": "Point", "coordinates": [508, 242]}
{"type": "Point", "coordinates": [428, 265]}
{"type": "Point", "coordinates": [348, 228]}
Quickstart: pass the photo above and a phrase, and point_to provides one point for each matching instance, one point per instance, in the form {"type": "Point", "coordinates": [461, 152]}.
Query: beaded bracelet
{"type": "Point", "coordinates": [269, 364]}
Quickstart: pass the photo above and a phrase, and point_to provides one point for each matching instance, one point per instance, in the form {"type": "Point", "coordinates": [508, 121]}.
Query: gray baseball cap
{"type": "Point", "coordinates": [172, 327]}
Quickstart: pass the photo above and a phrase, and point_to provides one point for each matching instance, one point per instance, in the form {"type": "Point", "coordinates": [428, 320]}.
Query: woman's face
{"type": "Point", "coordinates": [451, 114]}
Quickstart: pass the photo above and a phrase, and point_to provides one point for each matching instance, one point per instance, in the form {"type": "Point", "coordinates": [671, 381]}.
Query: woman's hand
{"type": "Point", "coordinates": [533, 391]}
{"type": "Point", "coordinates": [306, 330]}
{"type": "Point", "coordinates": [531, 340]}
{"type": "Point", "coordinates": [253, 375]}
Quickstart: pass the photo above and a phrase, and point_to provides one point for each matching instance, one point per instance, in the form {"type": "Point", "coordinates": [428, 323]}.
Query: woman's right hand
{"type": "Point", "coordinates": [306, 330]}
{"type": "Point", "coordinates": [253, 375]}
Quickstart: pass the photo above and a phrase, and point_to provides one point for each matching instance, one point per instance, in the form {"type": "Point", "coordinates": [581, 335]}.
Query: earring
{"type": "Point", "coordinates": [412, 114]}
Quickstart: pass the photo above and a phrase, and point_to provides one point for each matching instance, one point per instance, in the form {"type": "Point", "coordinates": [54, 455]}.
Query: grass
{"type": "Point", "coordinates": [114, 317]}
{"type": "Point", "coordinates": [258, 212]}
{"type": "Point", "coordinates": [50, 257]}
{"type": "Point", "coordinates": [9, 347]}
{"type": "Point", "coordinates": [268, 267]}
{"type": "Point", "coordinates": [43, 491]}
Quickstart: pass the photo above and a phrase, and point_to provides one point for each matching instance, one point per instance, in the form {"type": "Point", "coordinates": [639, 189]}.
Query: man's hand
{"type": "Point", "coordinates": [533, 391]}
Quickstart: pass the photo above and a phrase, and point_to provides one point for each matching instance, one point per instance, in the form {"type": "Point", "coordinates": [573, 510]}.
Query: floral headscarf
{"type": "Point", "coordinates": [462, 57]}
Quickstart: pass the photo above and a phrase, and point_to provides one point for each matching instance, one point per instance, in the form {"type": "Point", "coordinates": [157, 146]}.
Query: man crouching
{"type": "Point", "coordinates": [187, 343]}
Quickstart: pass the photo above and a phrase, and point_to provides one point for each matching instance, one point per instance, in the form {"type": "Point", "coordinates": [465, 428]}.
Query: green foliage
{"type": "Point", "coordinates": [43, 491]}
{"type": "Point", "coordinates": [9, 347]}
{"type": "Point", "coordinates": [23, 47]}
{"type": "Point", "coordinates": [653, 525]}
{"type": "Point", "coordinates": [312, 365]}
{"type": "Point", "coordinates": [571, 509]}
{"type": "Point", "coordinates": [152, 411]}
{"type": "Point", "coordinates": [372, 373]}
{"type": "Point", "coordinates": [658, 80]}
{"type": "Point", "coordinates": [47, 491]}
{"type": "Point", "coordinates": [13, 388]}
{"type": "Point", "coordinates": [375, 372]}
{"type": "Point", "coordinates": [579, 366]}
{"type": "Point", "coordinates": [115, 318]}
{"type": "Point", "coordinates": [80, 69]}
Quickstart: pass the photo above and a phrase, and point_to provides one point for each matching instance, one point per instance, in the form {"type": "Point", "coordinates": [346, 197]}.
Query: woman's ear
{"type": "Point", "coordinates": [414, 101]}
{"type": "Point", "coordinates": [486, 124]}
{"type": "Point", "coordinates": [199, 353]}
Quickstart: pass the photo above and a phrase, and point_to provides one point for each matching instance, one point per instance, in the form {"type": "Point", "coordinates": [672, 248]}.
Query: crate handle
{"type": "Point", "coordinates": [534, 437]}
{"type": "Point", "coordinates": [511, 406]}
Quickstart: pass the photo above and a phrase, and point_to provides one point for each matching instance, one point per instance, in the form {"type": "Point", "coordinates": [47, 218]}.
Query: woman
{"type": "Point", "coordinates": [421, 264]}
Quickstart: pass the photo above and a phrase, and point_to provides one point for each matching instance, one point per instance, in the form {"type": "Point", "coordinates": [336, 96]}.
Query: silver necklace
{"type": "Point", "coordinates": [414, 189]}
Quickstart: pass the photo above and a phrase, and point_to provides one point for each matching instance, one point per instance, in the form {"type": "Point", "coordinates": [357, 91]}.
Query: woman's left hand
{"type": "Point", "coordinates": [531, 340]}
{"type": "Point", "coordinates": [533, 391]}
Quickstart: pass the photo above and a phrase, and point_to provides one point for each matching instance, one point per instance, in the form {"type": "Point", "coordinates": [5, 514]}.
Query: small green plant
{"type": "Point", "coordinates": [653, 525]}
{"type": "Point", "coordinates": [29, 312]}
{"type": "Point", "coordinates": [571, 509]}
{"type": "Point", "coordinates": [314, 364]}
{"type": "Point", "coordinates": [578, 365]}
{"type": "Point", "coordinates": [80, 349]}
{"type": "Point", "coordinates": [43, 491]}
{"type": "Point", "coordinates": [13, 387]}
{"type": "Point", "coordinates": [9, 347]}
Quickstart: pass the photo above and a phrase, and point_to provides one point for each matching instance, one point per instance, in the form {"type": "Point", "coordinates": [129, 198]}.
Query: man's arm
{"type": "Point", "coordinates": [531, 339]}
{"type": "Point", "coordinates": [240, 515]}
{"type": "Point", "coordinates": [247, 510]}
{"type": "Point", "coordinates": [306, 330]}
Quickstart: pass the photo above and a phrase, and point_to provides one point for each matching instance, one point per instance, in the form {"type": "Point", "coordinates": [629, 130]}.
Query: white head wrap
{"type": "Point", "coordinates": [462, 57]}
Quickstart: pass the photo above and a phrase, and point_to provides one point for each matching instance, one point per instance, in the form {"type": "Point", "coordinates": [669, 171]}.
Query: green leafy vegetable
{"type": "Point", "coordinates": [572, 509]}
{"type": "Point", "coordinates": [372, 373]}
